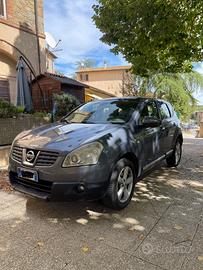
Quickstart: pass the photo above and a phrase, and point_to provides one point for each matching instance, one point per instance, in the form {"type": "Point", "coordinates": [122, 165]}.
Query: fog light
{"type": "Point", "coordinates": [81, 188]}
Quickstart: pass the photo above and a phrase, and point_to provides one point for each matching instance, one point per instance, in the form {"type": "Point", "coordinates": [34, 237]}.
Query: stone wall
{"type": "Point", "coordinates": [20, 14]}
{"type": "Point", "coordinates": [4, 157]}
{"type": "Point", "coordinates": [18, 37]}
{"type": "Point", "coordinates": [10, 127]}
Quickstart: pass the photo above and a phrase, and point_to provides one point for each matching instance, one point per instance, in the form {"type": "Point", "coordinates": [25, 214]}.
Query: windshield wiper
{"type": "Point", "coordinates": [65, 121]}
{"type": "Point", "coordinates": [119, 123]}
{"type": "Point", "coordinates": [89, 122]}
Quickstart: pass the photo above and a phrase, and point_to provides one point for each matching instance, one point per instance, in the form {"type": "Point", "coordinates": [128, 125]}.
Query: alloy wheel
{"type": "Point", "coordinates": [177, 152]}
{"type": "Point", "coordinates": [125, 184]}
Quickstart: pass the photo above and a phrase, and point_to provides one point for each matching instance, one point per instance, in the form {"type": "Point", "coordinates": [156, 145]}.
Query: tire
{"type": "Point", "coordinates": [121, 186]}
{"type": "Point", "coordinates": [174, 159]}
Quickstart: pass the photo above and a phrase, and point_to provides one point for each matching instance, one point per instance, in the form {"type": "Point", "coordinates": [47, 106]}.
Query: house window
{"type": "Point", "coordinates": [3, 8]}
{"type": "Point", "coordinates": [84, 77]}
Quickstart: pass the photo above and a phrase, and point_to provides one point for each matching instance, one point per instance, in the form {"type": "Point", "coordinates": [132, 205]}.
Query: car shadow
{"type": "Point", "coordinates": [161, 187]}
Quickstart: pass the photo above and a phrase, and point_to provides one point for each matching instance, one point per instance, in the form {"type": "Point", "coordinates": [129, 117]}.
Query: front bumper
{"type": "Point", "coordinates": [62, 184]}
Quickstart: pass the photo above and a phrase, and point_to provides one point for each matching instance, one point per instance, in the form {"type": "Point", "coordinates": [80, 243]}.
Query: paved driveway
{"type": "Point", "coordinates": [161, 229]}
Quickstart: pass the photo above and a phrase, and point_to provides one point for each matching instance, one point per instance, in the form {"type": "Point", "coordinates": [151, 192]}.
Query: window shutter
{"type": "Point", "coordinates": [4, 90]}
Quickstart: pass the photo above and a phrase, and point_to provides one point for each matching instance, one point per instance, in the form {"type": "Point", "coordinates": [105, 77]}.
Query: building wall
{"type": "Point", "coordinates": [110, 81]}
{"type": "Point", "coordinates": [8, 73]}
{"type": "Point", "coordinates": [50, 67]}
{"type": "Point", "coordinates": [20, 14]}
{"type": "Point", "coordinates": [199, 117]}
{"type": "Point", "coordinates": [18, 37]}
{"type": "Point", "coordinates": [92, 94]}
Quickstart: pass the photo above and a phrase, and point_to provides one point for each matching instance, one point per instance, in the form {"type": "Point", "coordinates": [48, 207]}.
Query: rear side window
{"type": "Point", "coordinates": [170, 109]}
{"type": "Point", "coordinates": [164, 111]}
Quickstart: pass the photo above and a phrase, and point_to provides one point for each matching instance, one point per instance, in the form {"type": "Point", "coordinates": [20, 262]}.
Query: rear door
{"type": "Point", "coordinates": [167, 127]}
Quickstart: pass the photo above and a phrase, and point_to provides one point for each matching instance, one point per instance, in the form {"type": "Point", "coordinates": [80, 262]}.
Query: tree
{"type": "Point", "coordinates": [155, 36]}
{"type": "Point", "coordinates": [58, 72]}
{"type": "Point", "coordinates": [64, 104]}
{"type": "Point", "coordinates": [85, 63]}
{"type": "Point", "coordinates": [178, 89]}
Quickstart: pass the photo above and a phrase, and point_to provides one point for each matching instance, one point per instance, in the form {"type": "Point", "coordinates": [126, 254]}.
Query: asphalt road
{"type": "Point", "coordinates": [161, 229]}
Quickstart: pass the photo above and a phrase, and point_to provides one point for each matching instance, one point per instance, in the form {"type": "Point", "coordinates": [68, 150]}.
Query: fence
{"type": "Point", "coordinates": [11, 127]}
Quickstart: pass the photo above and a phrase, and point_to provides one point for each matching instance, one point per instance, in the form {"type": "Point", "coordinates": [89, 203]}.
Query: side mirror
{"type": "Point", "coordinates": [151, 122]}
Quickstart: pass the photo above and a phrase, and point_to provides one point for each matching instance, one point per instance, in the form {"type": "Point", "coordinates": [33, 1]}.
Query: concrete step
{"type": "Point", "coordinates": [4, 157]}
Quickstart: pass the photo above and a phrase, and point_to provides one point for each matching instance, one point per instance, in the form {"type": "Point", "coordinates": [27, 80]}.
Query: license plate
{"type": "Point", "coordinates": [27, 174]}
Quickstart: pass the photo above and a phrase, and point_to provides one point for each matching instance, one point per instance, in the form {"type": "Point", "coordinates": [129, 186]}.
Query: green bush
{"type": "Point", "coordinates": [41, 114]}
{"type": "Point", "coordinates": [7, 110]}
{"type": "Point", "coordinates": [64, 104]}
{"type": "Point", "coordinates": [21, 109]}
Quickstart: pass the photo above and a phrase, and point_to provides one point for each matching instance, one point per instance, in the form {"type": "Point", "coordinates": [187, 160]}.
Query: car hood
{"type": "Point", "coordinates": [63, 137]}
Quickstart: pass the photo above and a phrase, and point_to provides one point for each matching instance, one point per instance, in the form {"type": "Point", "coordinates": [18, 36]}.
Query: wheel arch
{"type": "Point", "coordinates": [133, 158]}
{"type": "Point", "coordinates": [180, 137]}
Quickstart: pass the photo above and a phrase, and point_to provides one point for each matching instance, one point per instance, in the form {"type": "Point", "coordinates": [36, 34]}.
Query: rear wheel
{"type": "Point", "coordinates": [121, 187]}
{"type": "Point", "coordinates": [175, 158]}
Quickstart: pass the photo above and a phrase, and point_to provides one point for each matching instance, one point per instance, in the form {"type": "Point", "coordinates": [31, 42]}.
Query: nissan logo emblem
{"type": "Point", "coordinates": [30, 155]}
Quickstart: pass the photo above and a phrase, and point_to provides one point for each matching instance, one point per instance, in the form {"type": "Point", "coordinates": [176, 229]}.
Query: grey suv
{"type": "Point", "coordinates": [98, 151]}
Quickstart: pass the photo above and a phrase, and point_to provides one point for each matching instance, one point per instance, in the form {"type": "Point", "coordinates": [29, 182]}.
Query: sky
{"type": "Point", "coordinates": [70, 21]}
{"type": "Point", "coordinates": [199, 96]}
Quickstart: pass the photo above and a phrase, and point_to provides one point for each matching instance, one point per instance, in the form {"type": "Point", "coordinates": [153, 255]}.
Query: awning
{"type": "Point", "coordinates": [94, 96]}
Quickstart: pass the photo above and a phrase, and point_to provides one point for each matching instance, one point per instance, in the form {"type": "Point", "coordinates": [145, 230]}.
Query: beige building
{"type": "Point", "coordinates": [108, 79]}
{"type": "Point", "coordinates": [50, 58]}
{"type": "Point", "coordinates": [199, 117]}
{"type": "Point", "coordinates": [21, 33]}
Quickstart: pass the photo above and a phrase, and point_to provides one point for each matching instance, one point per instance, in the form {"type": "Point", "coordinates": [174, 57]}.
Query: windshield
{"type": "Point", "coordinates": [103, 112]}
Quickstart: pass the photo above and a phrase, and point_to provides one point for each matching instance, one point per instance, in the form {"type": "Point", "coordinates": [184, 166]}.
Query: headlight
{"type": "Point", "coordinates": [84, 155]}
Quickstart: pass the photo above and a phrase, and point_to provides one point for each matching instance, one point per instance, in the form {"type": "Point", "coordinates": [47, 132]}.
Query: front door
{"type": "Point", "coordinates": [149, 136]}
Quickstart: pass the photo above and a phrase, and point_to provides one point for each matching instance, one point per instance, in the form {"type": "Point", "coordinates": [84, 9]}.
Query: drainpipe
{"type": "Point", "coordinates": [123, 84]}
{"type": "Point", "coordinates": [37, 34]}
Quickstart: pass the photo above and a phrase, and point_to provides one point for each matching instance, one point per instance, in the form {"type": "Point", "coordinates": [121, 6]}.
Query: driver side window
{"type": "Point", "coordinates": [149, 110]}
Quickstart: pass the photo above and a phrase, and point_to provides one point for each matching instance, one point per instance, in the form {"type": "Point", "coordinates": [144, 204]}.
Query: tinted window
{"type": "Point", "coordinates": [149, 110]}
{"type": "Point", "coordinates": [164, 111]}
{"type": "Point", "coordinates": [101, 112]}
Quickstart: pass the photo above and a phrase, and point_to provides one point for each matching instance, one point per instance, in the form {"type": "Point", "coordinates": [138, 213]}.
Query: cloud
{"type": "Point", "coordinates": [70, 21]}
{"type": "Point", "coordinates": [198, 67]}
{"type": "Point", "coordinates": [199, 95]}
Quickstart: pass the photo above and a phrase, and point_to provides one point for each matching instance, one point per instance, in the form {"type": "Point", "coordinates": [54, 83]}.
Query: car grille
{"type": "Point", "coordinates": [41, 185]}
{"type": "Point", "coordinates": [44, 158]}
{"type": "Point", "coordinates": [17, 153]}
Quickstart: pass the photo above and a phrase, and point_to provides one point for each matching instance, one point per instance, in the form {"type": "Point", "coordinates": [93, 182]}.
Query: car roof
{"type": "Point", "coordinates": [139, 99]}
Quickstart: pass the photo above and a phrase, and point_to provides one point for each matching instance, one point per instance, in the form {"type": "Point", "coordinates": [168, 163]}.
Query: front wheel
{"type": "Point", "coordinates": [121, 186]}
{"type": "Point", "coordinates": [175, 158]}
